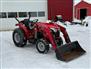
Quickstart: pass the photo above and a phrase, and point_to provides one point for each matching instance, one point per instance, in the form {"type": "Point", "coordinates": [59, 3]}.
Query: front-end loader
{"type": "Point", "coordinates": [43, 34]}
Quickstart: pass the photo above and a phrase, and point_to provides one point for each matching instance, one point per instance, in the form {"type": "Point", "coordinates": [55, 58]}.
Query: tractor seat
{"type": "Point", "coordinates": [28, 24]}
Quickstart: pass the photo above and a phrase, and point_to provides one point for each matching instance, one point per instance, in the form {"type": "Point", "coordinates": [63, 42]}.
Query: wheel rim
{"type": "Point", "coordinates": [41, 46]}
{"type": "Point", "coordinates": [17, 37]}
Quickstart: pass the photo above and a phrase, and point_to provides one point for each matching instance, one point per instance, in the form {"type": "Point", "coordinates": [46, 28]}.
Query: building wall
{"type": "Point", "coordinates": [89, 11]}
{"type": "Point", "coordinates": [82, 5]}
{"type": "Point", "coordinates": [77, 12]}
{"type": "Point", "coordinates": [21, 6]}
{"type": "Point", "coordinates": [60, 7]}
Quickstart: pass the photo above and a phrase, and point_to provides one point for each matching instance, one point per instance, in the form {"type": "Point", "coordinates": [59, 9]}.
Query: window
{"type": "Point", "coordinates": [33, 14]}
{"type": "Point", "coordinates": [41, 14]}
{"type": "Point", "coordinates": [12, 14]}
{"type": "Point", "coordinates": [3, 15]}
{"type": "Point", "coordinates": [22, 14]}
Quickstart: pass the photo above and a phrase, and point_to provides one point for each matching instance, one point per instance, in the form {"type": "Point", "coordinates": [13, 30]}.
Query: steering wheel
{"type": "Point", "coordinates": [31, 24]}
{"type": "Point", "coordinates": [35, 20]}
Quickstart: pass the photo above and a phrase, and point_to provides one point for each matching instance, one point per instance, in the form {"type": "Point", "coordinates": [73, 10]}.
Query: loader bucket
{"type": "Point", "coordinates": [69, 51]}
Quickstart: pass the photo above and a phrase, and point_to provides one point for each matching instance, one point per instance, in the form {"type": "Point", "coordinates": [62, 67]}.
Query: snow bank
{"type": "Point", "coordinates": [28, 57]}
{"type": "Point", "coordinates": [76, 20]}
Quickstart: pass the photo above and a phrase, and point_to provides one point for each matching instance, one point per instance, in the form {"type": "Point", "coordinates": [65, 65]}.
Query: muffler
{"type": "Point", "coordinates": [69, 51]}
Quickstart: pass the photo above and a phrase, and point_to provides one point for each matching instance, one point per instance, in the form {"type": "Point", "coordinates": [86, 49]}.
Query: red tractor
{"type": "Point", "coordinates": [43, 34]}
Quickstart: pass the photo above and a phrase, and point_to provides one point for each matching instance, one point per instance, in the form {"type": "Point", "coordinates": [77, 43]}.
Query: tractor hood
{"type": "Point", "coordinates": [48, 25]}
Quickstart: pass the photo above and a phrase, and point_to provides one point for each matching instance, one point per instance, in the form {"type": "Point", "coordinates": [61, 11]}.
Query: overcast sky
{"type": "Point", "coordinates": [77, 1]}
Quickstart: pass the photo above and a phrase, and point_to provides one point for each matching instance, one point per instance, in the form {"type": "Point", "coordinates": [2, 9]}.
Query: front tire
{"type": "Point", "coordinates": [42, 46]}
{"type": "Point", "coordinates": [18, 38]}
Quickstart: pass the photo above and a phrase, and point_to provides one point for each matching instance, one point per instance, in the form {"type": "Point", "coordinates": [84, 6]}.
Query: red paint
{"type": "Point", "coordinates": [60, 7]}
{"type": "Point", "coordinates": [82, 5]}
{"type": "Point", "coordinates": [44, 28]}
{"type": "Point", "coordinates": [27, 32]}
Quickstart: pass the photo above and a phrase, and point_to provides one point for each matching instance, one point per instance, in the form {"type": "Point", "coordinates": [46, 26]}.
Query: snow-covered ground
{"type": "Point", "coordinates": [28, 57]}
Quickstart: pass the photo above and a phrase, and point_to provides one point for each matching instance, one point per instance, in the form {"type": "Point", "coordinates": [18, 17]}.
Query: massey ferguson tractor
{"type": "Point", "coordinates": [43, 34]}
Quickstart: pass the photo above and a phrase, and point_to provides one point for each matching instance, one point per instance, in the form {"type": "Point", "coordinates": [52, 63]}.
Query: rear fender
{"type": "Point", "coordinates": [25, 30]}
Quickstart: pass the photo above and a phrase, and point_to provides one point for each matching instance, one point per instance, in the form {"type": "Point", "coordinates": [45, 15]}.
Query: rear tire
{"type": "Point", "coordinates": [18, 38]}
{"type": "Point", "coordinates": [42, 46]}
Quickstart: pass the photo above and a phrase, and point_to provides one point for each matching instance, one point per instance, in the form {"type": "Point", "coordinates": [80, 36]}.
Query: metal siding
{"type": "Point", "coordinates": [60, 7]}
{"type": "Point", "coordinates": [89, 11]}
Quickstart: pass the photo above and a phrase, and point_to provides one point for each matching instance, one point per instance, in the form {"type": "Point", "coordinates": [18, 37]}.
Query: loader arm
{"type": "Point", "coordinates": [49, 36]}
{"type": "Point", "coordinates": [70, 50]}
{"type": "Point", "coordinates": [65, 34]}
